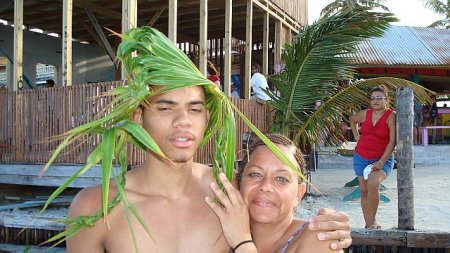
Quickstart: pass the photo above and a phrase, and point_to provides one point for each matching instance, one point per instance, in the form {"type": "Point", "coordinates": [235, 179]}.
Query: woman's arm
{"type": "Point", "coordinates": [392, 142]}
{"type": "Point", "coordinates": [354, 123]}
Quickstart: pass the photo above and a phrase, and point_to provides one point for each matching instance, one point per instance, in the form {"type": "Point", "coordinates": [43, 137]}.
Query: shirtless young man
{"type": "Point", "coordinates": [170, 199]}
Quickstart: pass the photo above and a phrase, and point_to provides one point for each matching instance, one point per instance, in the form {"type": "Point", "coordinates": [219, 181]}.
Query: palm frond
{"type": "Point", "coordinates": [442, 8]}
{"type": "Point", "coordinates": [320, 54]}
{"type": "Point", "coordinates": [350, 5]}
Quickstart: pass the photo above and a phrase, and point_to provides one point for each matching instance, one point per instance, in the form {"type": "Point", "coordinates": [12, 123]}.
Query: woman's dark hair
{"type": "Point", "coordinates": [276, 138]}
{"type": "Point", "coordinates": [211, 69]}
{"type": "Point", "coordinates": [380, 88]}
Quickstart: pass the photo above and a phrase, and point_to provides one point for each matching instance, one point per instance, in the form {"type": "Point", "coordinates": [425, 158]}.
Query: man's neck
{"type": "Point", "coordinates": [167, 178]}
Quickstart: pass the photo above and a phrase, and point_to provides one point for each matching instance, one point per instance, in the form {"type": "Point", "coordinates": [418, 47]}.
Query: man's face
{"type": "Point", "coordinates": [254, 70]}
{"type": "Point", "coordinates": [177, 121]}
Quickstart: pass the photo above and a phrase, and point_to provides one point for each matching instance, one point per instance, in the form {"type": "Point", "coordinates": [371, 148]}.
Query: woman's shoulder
{"type": "Point", "coordinates": [392, 113]}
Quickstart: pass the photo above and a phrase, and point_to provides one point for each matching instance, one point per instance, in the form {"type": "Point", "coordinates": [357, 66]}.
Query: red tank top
{"type": "Point", "coordinates": [374, 139]}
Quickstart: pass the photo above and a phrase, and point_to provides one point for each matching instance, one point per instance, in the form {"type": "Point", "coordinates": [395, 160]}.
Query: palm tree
{"type": "Point", "coordinates": [442, 8]}
{"type": "Point", "coordinates": [320, 54]}
{"type": "Point", "coordinates": [348, 5]}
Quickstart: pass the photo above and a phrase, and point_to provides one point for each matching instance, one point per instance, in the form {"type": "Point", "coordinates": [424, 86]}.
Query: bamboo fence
{"type": "Point", "coordinates": [30, 119]}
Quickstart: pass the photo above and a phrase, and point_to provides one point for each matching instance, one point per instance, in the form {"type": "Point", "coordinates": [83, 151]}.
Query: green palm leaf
{"type": "Point", "coordinates": [320, 54]}
{"type": "Point", "coordinates": [108, 150]}
{"type": "Point", "coordinates": [349, 5]}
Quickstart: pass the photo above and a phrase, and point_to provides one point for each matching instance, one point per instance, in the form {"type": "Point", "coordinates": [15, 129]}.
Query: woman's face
{"type": "Point", "coordinates": [378, 101]}
{"type": "Point", "coordinates": [270, 189]}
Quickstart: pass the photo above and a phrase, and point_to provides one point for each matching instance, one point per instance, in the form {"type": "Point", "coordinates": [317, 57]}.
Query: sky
{"type": "Point", "coordinates": [409, 12]}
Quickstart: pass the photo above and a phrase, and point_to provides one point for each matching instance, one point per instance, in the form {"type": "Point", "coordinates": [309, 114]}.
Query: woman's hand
{"type": "Point", "coordinates": [378, 165]}
{"type": "Point", "coordinates": [333, 226]}
{"type": "Point", "coordinates": [232, 212]}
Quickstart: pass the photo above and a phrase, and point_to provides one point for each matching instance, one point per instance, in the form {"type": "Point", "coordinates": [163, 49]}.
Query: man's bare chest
{"type": "Point", "coordinates": [168, 227]}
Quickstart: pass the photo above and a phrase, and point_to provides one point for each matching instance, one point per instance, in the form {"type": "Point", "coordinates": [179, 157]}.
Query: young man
{"type": "Point", "coordinates": [170, 197]}
{"type": "Point", "coordinates": [259, 84]}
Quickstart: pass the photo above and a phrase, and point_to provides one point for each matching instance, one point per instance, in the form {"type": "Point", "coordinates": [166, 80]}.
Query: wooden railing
{"type": "Point", "coordinates": [29, 118]}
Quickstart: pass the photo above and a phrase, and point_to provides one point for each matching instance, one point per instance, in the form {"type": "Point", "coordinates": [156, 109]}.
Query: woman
{"type": "Point", "coordinates": [271, 191]}
{"type": "Point", "coordinates": [213, 73]}
{"type": "Point", "coordinates": [374, 147]}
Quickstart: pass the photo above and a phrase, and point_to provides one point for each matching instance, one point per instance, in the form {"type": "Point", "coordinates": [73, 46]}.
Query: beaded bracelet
{"type": "Point", "coordinates": [241, 243]}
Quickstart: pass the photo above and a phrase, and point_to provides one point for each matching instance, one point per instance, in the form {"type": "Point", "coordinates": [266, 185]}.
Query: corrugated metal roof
{"type": "Point", "coordinates": [407, 46]}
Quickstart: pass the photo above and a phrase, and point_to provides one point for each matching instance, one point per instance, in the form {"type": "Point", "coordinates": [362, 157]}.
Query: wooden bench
{"type": "Point", "coordinates": [425, 132]}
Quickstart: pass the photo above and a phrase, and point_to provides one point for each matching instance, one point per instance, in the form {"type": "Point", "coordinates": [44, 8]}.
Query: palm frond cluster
{"type": "Point", "coordinates": [440, 7]}
{"type": "Point", "coordinates": [150, 59]}
{"type": "Point", "coordinates": [318, 58]}
{"type": "Point", "coordinates": [350, 5]}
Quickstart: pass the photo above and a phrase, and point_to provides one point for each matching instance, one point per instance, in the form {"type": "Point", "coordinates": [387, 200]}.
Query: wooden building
{"type": "Point", "coordinates": [208, 27]}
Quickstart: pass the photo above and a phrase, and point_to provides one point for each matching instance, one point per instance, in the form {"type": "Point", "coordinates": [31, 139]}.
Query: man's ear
{"type": "Point", "coordinates": [137, 115]}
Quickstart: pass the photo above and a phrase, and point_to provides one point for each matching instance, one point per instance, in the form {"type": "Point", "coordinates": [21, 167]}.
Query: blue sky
{"type": "Point", "coordinates": [410, 12]}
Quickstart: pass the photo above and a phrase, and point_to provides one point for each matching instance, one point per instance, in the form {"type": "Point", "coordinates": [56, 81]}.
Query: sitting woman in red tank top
{"type": "Point", "coordinates": [375, 143]}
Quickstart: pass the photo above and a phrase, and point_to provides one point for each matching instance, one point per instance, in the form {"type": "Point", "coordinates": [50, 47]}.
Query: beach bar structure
{"type": "Point", "coordinates": [83, 56]}
{"type": "Point", "coordinates": [208, 27]}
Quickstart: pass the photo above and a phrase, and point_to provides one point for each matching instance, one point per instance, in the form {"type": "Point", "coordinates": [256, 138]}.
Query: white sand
{"type": "Point", "coordinates": [431, 197]}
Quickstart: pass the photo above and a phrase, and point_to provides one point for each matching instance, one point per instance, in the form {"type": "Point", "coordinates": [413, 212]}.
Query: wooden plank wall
{"type": "Point", "coordinates": [28, 118]}
{"type": "Point", "coordinates": [297, 9]}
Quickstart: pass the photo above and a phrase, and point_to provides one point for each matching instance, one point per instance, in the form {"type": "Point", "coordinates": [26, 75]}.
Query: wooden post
{"type": "Point", "coordinates": [173, 10]}
{"type": "Point", "coordinates": [278, 46]}
{"type": "Point", "coordinates": [129, 19]}
{"type": "Point", "coordinates": [18, 46]}
{"type": "Point", "coordinates": [405, 176]}
{"type": "Point", "coordinates": [67, 43]}
{"type": "Point", "coordinates": [265, 64]}
{"type": "Point", "coordinates": [202, 56]}
{"type": "Point", "coordinates": [248, 50]}
{"type": "Point", "coordinates": [227, 57]}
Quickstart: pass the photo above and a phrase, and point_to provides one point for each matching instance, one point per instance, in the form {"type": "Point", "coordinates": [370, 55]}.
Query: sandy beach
{"type": "Point", "coordinates": [431, 197]}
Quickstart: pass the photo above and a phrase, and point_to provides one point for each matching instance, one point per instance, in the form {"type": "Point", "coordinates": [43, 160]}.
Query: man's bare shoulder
{"type": "Point", "coordinates": [86, 202]}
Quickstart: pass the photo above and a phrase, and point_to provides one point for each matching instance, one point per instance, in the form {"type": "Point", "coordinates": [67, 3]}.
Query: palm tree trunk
{"type": "Point", "coordinates": [405, 184]}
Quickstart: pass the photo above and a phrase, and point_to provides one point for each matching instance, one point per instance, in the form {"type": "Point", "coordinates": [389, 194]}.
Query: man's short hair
{"type": "Point", "coordinates": [256, 66]}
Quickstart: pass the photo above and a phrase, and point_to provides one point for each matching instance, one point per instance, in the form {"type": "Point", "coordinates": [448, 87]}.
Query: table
{"type": "Point", "coordinates": [424, 131]}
